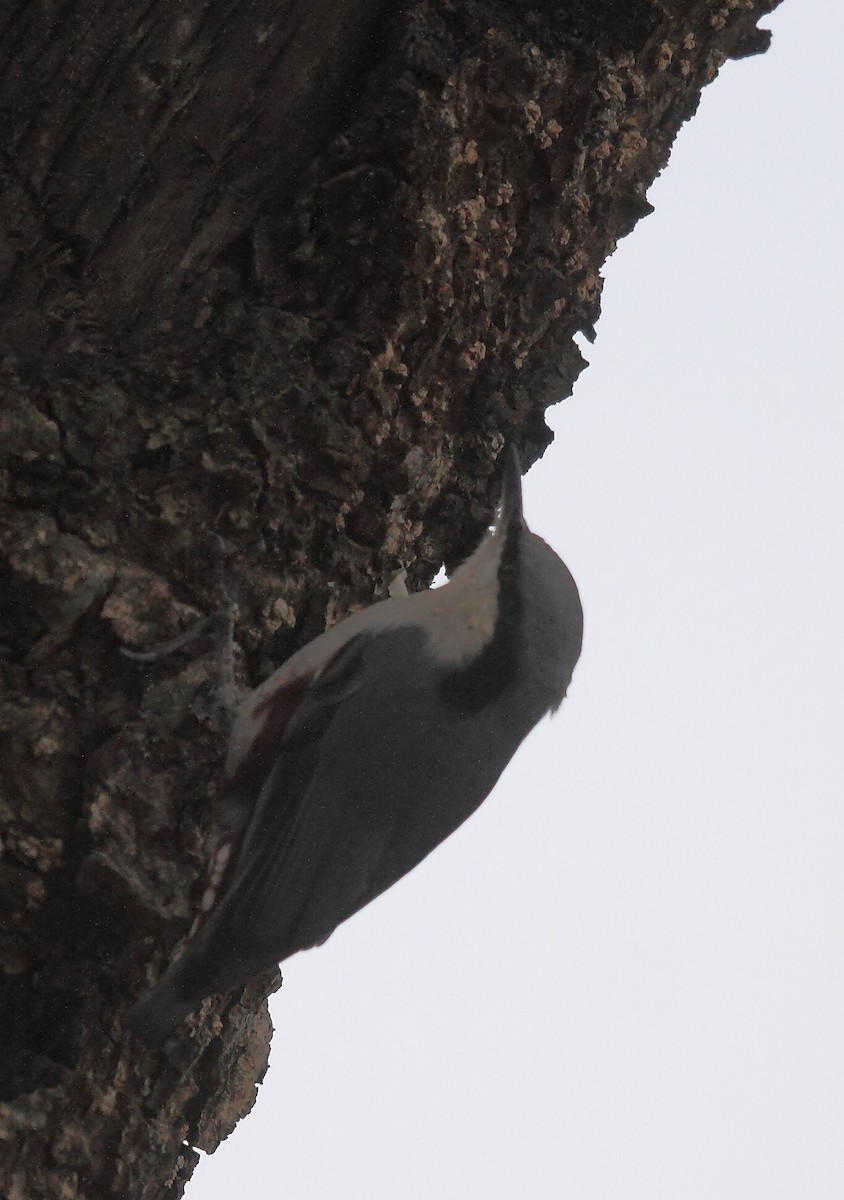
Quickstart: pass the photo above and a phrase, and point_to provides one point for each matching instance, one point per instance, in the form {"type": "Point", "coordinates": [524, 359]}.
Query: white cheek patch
{"type": "Point", "coordinates": [461, 615]}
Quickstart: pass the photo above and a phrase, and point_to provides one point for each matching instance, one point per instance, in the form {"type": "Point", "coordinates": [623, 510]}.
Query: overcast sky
{"type": "Point", "coordinates": [622, 979]}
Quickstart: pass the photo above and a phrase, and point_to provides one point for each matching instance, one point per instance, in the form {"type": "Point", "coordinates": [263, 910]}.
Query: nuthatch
{"type": "Point", "coordinates": [370, 746]}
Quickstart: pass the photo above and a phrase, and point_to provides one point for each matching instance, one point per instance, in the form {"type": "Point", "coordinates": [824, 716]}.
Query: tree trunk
{"type": "Point", "coordinates": [290, 271]}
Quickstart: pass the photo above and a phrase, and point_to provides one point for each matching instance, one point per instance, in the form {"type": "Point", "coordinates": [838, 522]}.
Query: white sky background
{"type": "Point", "coordinates": [622, 979]}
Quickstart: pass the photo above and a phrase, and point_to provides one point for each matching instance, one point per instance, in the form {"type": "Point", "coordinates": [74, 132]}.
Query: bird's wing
{"type": "Point", "coordinates": [269, 839]}
{"type": "Point", "coordinates": [296, 757]}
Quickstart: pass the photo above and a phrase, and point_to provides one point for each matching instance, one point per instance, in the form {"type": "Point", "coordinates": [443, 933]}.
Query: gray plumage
{"type": "Point", "coordinates": [370, 746]}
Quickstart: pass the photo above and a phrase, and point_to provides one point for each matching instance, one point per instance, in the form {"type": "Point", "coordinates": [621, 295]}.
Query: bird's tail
{"type": "Point", "coordinates": [162, 1009]}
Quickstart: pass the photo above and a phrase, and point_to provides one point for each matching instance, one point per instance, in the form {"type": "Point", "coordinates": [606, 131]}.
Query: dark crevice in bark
{"type": "Point", "coordinates": [291, 271]}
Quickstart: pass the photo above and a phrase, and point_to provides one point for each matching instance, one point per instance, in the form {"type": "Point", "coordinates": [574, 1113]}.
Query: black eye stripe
{"type": "Point", "coordinates": [472, 687]}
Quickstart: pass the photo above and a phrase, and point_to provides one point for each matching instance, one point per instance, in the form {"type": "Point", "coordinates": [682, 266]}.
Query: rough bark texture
{"type": "Point", "coordinates": [290, 269]}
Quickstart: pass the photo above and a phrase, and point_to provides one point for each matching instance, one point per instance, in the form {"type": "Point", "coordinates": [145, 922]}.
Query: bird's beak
{"type": "Point", "coordinates": [510, 509]}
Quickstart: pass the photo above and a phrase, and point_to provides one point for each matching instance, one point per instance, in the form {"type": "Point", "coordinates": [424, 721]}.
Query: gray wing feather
{"type": "Point", "coordinates": [370, 776]}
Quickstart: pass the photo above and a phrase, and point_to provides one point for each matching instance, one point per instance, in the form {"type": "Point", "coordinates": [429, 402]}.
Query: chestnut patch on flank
{"type": "Point", "coordinates": [271, 718]}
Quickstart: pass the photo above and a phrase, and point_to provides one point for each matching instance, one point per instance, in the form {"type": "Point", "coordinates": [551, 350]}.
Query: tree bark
{"type": "Point", "coordinates": [291, 271]}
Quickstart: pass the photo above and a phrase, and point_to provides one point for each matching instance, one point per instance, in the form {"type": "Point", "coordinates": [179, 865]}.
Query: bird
{"type": "Point", "coordinates": [369, 747]}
